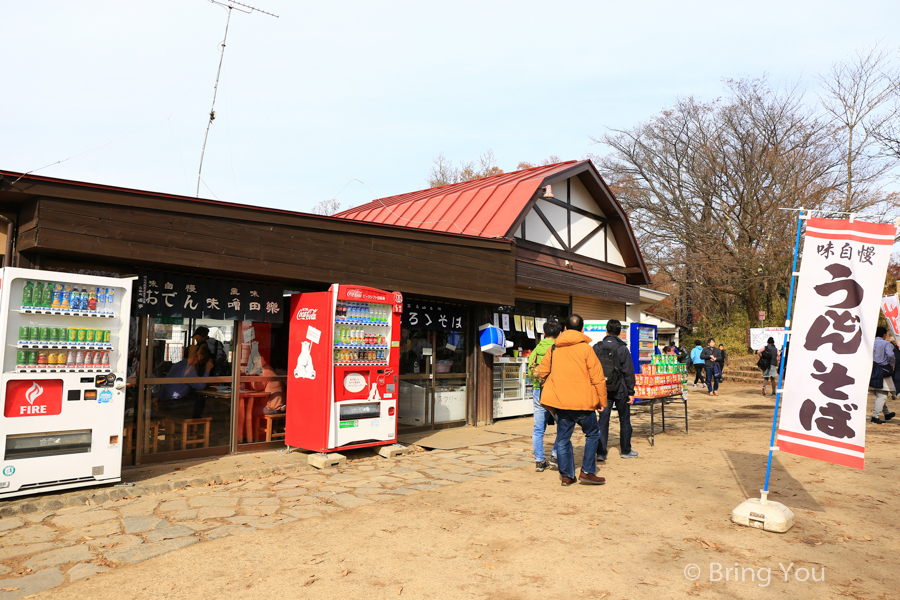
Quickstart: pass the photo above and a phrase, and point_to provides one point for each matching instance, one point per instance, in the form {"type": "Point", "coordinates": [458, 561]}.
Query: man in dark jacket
{"type": "Point", "coordinates": [711, 355]}
{"type": "Point", "coordinates": [622, 398]}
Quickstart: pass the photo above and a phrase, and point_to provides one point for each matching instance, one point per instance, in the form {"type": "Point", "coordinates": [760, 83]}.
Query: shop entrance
{"type": "Point", "coordinates": [433, 380]}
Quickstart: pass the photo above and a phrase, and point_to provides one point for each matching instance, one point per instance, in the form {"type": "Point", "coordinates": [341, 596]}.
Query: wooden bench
{"type": "Point", "coordinates": [271, 434]}
{"type": "Point", "coordinates": [182, 434]}
{"type": "Point", "coordinates": [152, 432]}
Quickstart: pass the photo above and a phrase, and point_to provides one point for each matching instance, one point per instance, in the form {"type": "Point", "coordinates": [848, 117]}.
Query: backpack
{"type": "Point", "coordinates": [765, 359]}
{"type": "Point", "coordinates": [611, 370]}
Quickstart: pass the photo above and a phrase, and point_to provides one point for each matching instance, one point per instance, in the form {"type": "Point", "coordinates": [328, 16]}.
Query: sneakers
{"type": "Point", "coordinates": [540, 465]}
{"type": "Point", "coordinates": [553, 463]}
{"type": "Point", "coordinates": [601, 457]}
{"type": "Point", "coordinates": [764, 390]}
{"type": "Point", "coordinates": [590, 479]}
{"type": "Point", "coordinates": [889, 416]}
{"type": "Point", "coordinates": [877, 421]}
{"type": "Point", "coordinates": [631, 454]}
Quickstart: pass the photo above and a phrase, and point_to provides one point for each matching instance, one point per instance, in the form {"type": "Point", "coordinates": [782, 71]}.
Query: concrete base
{"type": "Point", "coordinates": [392, 450]}
{"type": "Point", "coordinates": [763, 514]}
{"type": "Point", "coordinates": [323, 461]}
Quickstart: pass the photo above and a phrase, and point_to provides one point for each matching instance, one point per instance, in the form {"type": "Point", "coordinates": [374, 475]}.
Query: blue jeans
{"type": "Point", "coordinates": [624, 409]}
{"type": "Point", "coordinates": [711, 382]}
{"type": "Point", "coordinates": [540, 426]}
{"type": "Point", "coordinates": [565, 425]}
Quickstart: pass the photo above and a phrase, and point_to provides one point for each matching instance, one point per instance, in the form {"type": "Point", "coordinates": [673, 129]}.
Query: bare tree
{"type": "Point", "coordinates": [327, 207]}
{"type": "Point", "coordinates": [550, 160]}
{"type": "Point", "coordinates": [703, 182]}
{"type": "Point", "coordinates": [444, 172]}
{"type": "Point", "coordinates": [860, 97]}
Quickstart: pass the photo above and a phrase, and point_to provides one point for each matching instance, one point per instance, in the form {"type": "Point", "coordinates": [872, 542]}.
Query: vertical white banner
{"type": "Point", "coordinates": [823, 414]}
{"type": "Point", "coordinates": [891, 309]}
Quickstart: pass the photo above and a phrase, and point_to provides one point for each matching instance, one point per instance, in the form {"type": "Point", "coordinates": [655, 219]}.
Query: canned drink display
{"type": "Point", "coordinates": [79, 358]}
{"type": "Point", "coordinates": [98, 336]}
{"type": "Point", "coordinates": [24, 334]}
{"type": "Point", "coordinates": [34, 333]}
{"type": "Point", "coordinates": [21, 358]}
{"type": "Point", "coordinates": [107, 336]}
{"type": "Point", "coordinates": [54, 334]}
{"type": "Point", "coordinates": [73, 334]}
{"type": "Point", "coordinates": [31, 356]}
{"type": "Point", "coordinates": [70, 359]}
{"type": "Point", "coordinates": [105, 359]}
{"type": "Point", "coordinates": [44, 333]}
{"type": "Point", "coordinates": [43, 357]}
{"type": "Point", "coordinates": [62, 334]}
{"type": "Point", "coordinates": [51, 358]}
{"type": "Point", "coordinates": [82, 334]}
{"type": "Point", "coordinates": [89, 335]}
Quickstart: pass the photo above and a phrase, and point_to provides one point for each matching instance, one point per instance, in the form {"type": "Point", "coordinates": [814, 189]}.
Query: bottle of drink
{"type": "Point", "coordinates": [57, 296]}
{"type": "Point", "coordinates": [337, 312]}
{"type": "Point", "coordinates": [101, 300]}
{"type": "Point", "coordinates": [110, 301]}
{"type": "Point", "coordinates": [47, 298]}
{"type": "Point", "coordinates": [27, 293]}
{"type": "Point", "coordinates": [65, 302]}
{"type": "Point", "coordinates": [92, 300]}
{"type": "Point", "coordinates": [84, 299]}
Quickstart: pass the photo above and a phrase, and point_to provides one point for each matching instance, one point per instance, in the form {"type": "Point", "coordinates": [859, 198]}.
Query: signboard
{"type": "Point", "coordinates": [419, 314]}
{"type": "Point", "coordinates": [596, 330]}
{"type": "Point", "coordinates": [762, 315]}
{"type": "Point", "coordinates": [891, 309]}
{"type": "Point", "coordinates": [832, 337]}
{"type": "Point", "coordinates": [33, 398]}
{"type": "Point", "coordinates": [759, 335]}
{"type": "Point", "coordinates": [165, 294]}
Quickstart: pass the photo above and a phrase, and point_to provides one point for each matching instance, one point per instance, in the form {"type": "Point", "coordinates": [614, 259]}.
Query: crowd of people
{"type": "Point", "coordinates": [577, 384]}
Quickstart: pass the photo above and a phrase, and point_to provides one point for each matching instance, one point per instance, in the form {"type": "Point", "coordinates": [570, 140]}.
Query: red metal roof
{"type": "Point", "coordinates": [485, 207]}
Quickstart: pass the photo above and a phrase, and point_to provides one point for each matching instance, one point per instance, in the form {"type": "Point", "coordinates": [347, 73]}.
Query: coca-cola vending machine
{"type": "Point", "coordinates": [63, 354]}
{"type": "Point", "coordinates": [344, 354]}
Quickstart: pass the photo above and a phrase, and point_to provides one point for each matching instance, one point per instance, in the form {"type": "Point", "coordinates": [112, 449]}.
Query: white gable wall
{"type": "Point", "coordinates": [537, 232]}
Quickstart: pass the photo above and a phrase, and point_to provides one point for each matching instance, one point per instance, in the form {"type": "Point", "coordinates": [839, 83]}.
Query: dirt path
{"type": "Point", "coordinates": [516, 534]}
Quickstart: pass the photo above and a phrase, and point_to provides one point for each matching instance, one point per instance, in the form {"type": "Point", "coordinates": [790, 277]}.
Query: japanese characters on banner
{"type": "Point", "coordinates": [418, 314]}
{"type": "Point", "coordinates": [163, 294]}
{"type": "Point", "coordinates": [891, 309]}
{"type": "Point", "coordinates": [832, 338]}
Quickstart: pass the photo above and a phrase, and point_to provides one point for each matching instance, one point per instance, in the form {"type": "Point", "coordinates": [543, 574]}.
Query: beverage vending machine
{"type": "Point", "coordinates": [344, 349]}
{"type": "Point", "coordinates": [642, 342]}
{"type": "Point", "coordinates": [63, 354]}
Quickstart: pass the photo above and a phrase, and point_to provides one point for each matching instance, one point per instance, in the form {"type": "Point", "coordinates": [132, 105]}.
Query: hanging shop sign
{"type": "Point", "coordinates": [164, 294]}
{"type": "Point", "coordinates": [832, 338]}
{"type": "Point", "coordinates": [432, 316]}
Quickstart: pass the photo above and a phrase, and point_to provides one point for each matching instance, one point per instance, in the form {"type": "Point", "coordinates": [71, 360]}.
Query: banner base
{"type": "Point", "coordinates": [764, 514]}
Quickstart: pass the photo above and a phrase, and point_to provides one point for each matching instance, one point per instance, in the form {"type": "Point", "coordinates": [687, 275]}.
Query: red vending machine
{"type": "Point", "coordinates": [344, 350]}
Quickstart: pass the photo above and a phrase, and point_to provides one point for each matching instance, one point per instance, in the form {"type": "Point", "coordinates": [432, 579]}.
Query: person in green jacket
{"type": "Point", "coordinates": [552, 328]}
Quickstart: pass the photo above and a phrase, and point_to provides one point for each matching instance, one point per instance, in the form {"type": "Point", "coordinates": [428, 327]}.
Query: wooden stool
{"type": "Point", "coordinates": [128, 440]}
{"type": "Point", "coordinates": [270, 422]}
{"type": "Point", "coordinates": [187, 433]}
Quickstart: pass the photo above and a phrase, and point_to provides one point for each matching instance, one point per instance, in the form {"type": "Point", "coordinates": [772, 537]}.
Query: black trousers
{"type": "Point", "coordinates": [698, 373]}
{"type": "Point", "coordinates": [624, 409]}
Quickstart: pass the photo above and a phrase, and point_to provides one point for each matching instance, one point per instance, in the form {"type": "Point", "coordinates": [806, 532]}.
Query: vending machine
{"type": "Point", "coordinates": [642, 343]}
{"type": "Point", "coordinates": [63, 352]}
{"type": "Point", "coordinates": [344, 351]}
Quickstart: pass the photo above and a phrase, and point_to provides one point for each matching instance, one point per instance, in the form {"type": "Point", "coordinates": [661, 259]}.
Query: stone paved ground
{"type": "Point", "coordinates": [41, 550]}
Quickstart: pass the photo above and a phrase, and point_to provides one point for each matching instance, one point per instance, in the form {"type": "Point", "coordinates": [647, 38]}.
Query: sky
{"type": "Point", "coordinates": [354, 100]}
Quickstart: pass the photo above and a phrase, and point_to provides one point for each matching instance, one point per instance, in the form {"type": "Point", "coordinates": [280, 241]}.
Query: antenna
{"type": "Point", "coordinates": [244, 8]}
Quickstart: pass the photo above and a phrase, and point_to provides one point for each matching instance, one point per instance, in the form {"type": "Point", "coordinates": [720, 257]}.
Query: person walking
{"type": "Point", "coordinates": [623, 396]}
{"type": "Point", "coordinates": [574, 387]}
{"type": "Point", "coordinates": [542, 416]}
{"type": "Point", "coordinates": [768, 363]}
{"type": "Point", "coordinates": [883, 365]}
{"type": "Point", "coordinates": [699, 363]}
{"type": "Point", "coordinates": [711, 356]}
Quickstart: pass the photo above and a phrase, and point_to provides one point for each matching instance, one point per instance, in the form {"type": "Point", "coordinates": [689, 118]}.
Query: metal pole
{"type": "Point", "coordinates": [787, 327]}
{"type": "Point", "coordinates": [212, 110]}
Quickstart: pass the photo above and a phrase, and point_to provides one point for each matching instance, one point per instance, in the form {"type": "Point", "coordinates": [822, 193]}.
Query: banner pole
{"type": "Point", "coordinates": [787, 327]}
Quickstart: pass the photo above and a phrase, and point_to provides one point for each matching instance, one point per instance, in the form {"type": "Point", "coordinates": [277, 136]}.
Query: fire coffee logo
{"type": "Point", "coordinates": [307, 314]}
{"type": "Point", "coordinates": [33, 393]}
{"type": "Point", "coordinates": [30, 398]}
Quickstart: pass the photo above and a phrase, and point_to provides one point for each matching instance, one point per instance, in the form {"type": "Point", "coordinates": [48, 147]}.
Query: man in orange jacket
{"type": "Point", "coordinates": [574, 387]}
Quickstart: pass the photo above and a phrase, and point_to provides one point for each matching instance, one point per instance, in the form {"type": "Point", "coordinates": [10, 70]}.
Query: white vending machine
{"type": "Point", "coordinates": [63, 354]}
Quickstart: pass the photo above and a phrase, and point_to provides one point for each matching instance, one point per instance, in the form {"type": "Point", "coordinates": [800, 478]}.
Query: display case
{"type": "Point", "coordinates": [510, 398]}
{"type": "Point", "coordinates": [64, 353]}
{"type": "Point", "coordinates": [642, 342]}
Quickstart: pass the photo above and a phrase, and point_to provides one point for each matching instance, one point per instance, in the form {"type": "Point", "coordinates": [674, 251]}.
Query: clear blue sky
{"type": "Point", "coordinates": [334, 91]}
